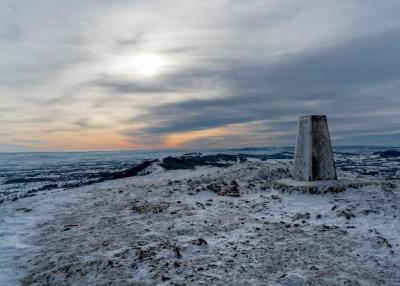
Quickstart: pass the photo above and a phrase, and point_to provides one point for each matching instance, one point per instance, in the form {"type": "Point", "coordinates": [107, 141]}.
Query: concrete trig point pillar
{"type": "Point", "coordinates": [313, 159]}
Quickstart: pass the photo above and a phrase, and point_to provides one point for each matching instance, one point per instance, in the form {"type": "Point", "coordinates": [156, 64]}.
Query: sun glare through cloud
{"type": "Point", "coordinates": [137, 65]}
{"type": "Point", "coordinates": [148, 64]}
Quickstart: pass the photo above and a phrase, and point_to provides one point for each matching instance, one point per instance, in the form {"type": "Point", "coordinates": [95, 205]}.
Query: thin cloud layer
{"type": "Point", "coordinates": [184, 74]}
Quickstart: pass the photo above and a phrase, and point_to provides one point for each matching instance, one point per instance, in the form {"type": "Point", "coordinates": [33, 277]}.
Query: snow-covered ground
{"type": "Point", "coordinates": [208, 226]}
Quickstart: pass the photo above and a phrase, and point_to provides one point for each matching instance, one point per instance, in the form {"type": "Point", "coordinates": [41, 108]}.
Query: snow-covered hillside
{"type": "Point", "coordinates": [205, 226]}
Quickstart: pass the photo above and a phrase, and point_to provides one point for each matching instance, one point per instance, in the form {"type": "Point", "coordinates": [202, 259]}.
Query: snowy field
{"type": "Point", "coordinates": [208, 226]}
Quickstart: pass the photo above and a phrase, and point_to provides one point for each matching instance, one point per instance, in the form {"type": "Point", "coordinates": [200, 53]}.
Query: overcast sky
{"type": "Point", "coordinates": [142, 74]}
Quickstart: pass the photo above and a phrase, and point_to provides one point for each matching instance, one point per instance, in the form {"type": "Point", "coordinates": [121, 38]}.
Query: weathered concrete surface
{"type": "Point", "coordinates": [313, 160]}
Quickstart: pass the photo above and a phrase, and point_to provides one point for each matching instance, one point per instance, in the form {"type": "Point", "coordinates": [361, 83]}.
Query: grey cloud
{"type": "Point", "coordinates": [11, 30]}
{"type": "Point", "coordinates": [85, 123]}
{"type": "Point", "coordinates": [13, 33]}
{"type": "Point", "coordinates": [332, 77]}
{"type": "Point", "coordinates": [138, 137]}
{"type": "Point", "coordinates": [134, 41]}
{"type": "Point", "coordinates": [129, 86]}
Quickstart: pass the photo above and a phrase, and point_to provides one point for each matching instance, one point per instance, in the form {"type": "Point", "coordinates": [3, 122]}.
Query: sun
{"type": "Point", "coordinates": [148, 64]}
{"type": "Point", "coordinates": [137, 65]}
